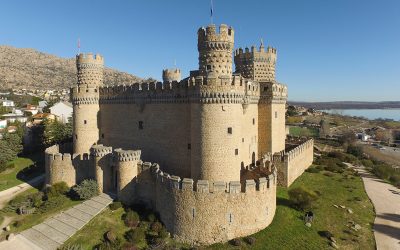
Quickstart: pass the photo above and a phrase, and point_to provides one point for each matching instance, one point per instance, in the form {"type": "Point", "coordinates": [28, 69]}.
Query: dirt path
{"type": "Point", "coordinates": [386, 200]}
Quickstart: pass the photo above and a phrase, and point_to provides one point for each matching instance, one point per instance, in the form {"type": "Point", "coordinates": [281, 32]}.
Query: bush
{"type": "Point", "coordinates": [57, 189]}
{"type": "Point", "coordinates": [313, 170]}
{"type": "Point", "coordinates": [52, 203]}
{"type": "Point", "coordinates": [87, 189]}
{"type": "Point", "coordinates": [110, 236]}
{"type": "Point", "coordinates": [357, 151]}
{"type": "Point", "coordinates": [131, 219]}
{"type": "Point", "coordinates": [151, 217]}
{"type": "Point", "coordinates": [236, 242]}
{"type": "Point", "coordinates": [36, 199]}
{"type": "Point", "coordinates": [302, 198]}
{"type": "Point", "coordinates": [18, 223]}
{"type": "Point", "coordinates": [156, 226]}
{"type": "Point", "coordinates": [250, 240]}
{"type": "Point", "coordinates": [107, 245]}
{"type": "Point", "coordinates": [163, 233]}
{"type": "Point", "coordinates": [136, 236]}
{"type": "Point", "coordinates": [129, 246]}
{"type": "Point", "coordinates": [367, 163]}
{"type": "Point", "coordinates": [115, 205]}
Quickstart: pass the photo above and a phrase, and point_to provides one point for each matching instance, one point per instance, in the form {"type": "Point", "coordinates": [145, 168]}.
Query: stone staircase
{"type": "Point", "coordinates": [53, 232]}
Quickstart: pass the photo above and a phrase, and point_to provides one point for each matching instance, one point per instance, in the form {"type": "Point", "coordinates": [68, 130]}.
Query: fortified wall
{"type": "Point", "coordinates": [229, 209]}
{"type": "Point", "coordinates": [292, 163]}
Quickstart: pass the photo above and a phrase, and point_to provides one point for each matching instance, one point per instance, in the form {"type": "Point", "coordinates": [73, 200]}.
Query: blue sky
{"type": "Point", "coordinates": [328, 50]}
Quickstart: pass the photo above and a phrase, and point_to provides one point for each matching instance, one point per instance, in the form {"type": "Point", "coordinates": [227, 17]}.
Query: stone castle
{"type": "Point", "coordinates": [206, 152]}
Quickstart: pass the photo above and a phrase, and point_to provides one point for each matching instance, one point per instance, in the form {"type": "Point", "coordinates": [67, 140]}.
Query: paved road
{"type": "Point", "coordinates": [386, 200]}
{"type": "Point", "coordinates": [53, 232]}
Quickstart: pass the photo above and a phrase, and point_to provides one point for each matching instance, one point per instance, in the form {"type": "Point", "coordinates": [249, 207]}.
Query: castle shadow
{"type": "Point", "coordinates": [283, 202]}
{"type": "Point", "coordinates": [393, 232]}
{"type": "Point", "coordinates": [392, 217]}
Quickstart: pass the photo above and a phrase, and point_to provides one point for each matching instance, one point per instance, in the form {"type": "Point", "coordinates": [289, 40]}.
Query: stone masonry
{"type": "Point", "coordinates": [200, 132]}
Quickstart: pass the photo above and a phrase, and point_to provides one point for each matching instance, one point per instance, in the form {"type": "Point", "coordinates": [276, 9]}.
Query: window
{"type": "Point", "coordinates": [76, 136]}
{"type": "Point", "coordinates": [140, 124]}
{"type": "Point", "coordinates": [102, 136]}
{"type": "Point", "coordinates": [84, 122]}
{"type": "Point", "coordinates": [242, 139]}
{"type": "Point", "coordinates": [87, 90]}
{"type": "Point", "coordinates": [236, 151]}
{"type": "Point", "coordinates": [229, 130]}
{"type": "Point", "coordinates": [208, 67]}
{"type": "Point", "coordinates": [265, 88]}
{"type": "Point", "coordinates": [254, 121]}
{"type": "Point", "coordinates": [276, 114]}
{"type": "Point", "coordinates": [189, 146]}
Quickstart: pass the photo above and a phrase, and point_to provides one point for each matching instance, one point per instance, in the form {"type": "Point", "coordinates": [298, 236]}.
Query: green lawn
{"type": "Point", "coordinates": [8, 178]}
{"type": "Point", "coordinates": [288, 231]}
{"type": "Point", "coordinates": [93, 233]}
{"type": "Point", "coordinates": [303, 131]}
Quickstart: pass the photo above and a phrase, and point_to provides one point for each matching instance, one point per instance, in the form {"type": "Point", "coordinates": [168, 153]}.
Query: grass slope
{"type": "Point", "coordinates": [8, 178]}
{"type": "Point", "coordinates": [287, 231]}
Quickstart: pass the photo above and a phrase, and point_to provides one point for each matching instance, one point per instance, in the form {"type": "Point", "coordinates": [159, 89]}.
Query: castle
{"type": "Point", "coordinates": [206, 152]}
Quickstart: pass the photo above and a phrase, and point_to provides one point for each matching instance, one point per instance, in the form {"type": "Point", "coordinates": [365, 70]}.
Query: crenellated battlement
{"type": "Point", "coordinates": [89, 60]}
{"type": "Point", "coordinates": [171, 75]}
{"type": "Point", "coordinates": [211, 34]}
{"type": "Point", "coordinates": [299, 149]}
{"type": "Point", "coordinates": [204, 186]}
{"type": "Point", "coordinates": [126, 155]}
{"type": "Point", "coordinates": [100, 150]}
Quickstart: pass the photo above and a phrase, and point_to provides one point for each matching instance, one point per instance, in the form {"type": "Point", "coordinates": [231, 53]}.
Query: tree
{"type": "Point", "coordinates": [324, 130]}
{"type": "Point", "coordinates": [56, 132]}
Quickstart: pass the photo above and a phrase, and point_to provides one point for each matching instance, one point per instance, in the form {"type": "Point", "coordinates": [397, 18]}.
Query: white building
{"type": "Point", "coordinates": [8, 103]}
{"type": "Point", "coordinates": [62, 110]}
{"type": "Point", "coordinates": [3, 123]}
{"type": "Point", "coordinates": [15, 117]}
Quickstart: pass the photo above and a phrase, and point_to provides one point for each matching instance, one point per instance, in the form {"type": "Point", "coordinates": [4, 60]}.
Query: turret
{"type": "Point", "coordinates": [101, 157]}
{"type": "Point", "coordinates": [256, 64]}
{"type": "Point", "coordinates": [171, 75]}
{"type": "Point", "coordinates": [85, 99]}
{"type": "Point", "coordinates": [215, 50]}
{"type": "Point", "coordinates": [126, 162]}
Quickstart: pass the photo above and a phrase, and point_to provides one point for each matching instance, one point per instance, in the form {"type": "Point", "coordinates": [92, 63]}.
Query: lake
{"type": "Point", "coordinates": [371, 114]}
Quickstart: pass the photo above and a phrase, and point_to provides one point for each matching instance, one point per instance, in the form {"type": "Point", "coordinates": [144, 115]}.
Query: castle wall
{"type": "Point", "coordinates": [214, 212]}
{"type": "Point", "coordinates": [295, 162]}
{"type": "Point", "coordinates": [164, 137]}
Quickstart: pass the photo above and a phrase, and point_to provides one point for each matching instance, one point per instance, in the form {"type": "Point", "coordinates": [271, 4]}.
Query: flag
{"type": "Point", "coordinates": [212, 9]}
{"type": "Point", "coordinates": [79, 43]}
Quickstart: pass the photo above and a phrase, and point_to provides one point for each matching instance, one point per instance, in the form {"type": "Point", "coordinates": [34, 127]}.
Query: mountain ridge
{"type": "Point", "coordinates": [32, 69]}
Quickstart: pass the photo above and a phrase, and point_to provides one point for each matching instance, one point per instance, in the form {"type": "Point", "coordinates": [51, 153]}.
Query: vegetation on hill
{"type": "Point", "coordinates": [30, 69]}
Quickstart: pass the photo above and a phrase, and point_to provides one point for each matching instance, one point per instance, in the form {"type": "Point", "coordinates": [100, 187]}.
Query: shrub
{"type": "Point", "coordinates": [156, 226]}
{"type": "Point", "coordinates": [312, 170]}
{"type": "Point", "coordinates": [151, 217]}
{"type": "Point", "coordinates": [302, 198]}
{"type": "Point", "coordinates": [236, 242]}
{"type": "Point", "coordinates": [115, 205]}
{"type": "Point", "coordinates": [36, 199]}
{"type": "Point", "coordinates": [110, 236]}
{"type": "Point", "coordinates": [52, 204]}
{"type": "Point", "coordinates": [129, 246]}
{"type": "Point", "coordinates": [163, 233]}
{"type": "Point", "coordinates": [57, 189]}
{"type": "Point", "coordinates": [107, 245]}
{"type": "Point", "coordinates": [18, 223]}
{"type": "Point", "coordinates": [250, 240]}
{"type": "Point", "coordinates": [136, 236]}
{"type": "Point", "coordinates": [131, 219]}
{"type": "Point", "coordinates": [367, 163]}
{"type": "Point", "coordinates": [87, 189]}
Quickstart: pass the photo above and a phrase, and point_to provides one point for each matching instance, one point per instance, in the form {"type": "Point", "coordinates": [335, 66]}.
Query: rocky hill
{"type": "Point", "coordinates": [31, 69]}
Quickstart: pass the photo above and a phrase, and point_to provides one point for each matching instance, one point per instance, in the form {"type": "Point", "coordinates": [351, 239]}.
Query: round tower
{"type": "Point", "coordinates": [171, 75]}
{"type": "Point", "coordinates": [85, 100]}
{"type": "Point", "coordinates": [215, 50]}
{"type": "Point", "coordinates": [102, 169]}
{"type": "Point", "coordinates": [126, 162]}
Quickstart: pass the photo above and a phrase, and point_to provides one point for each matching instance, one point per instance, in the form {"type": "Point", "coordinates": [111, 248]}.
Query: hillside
{"type": "Point", "coordinates": [347, 105]}
{"type": "Point", "coordinates": [31, 69]}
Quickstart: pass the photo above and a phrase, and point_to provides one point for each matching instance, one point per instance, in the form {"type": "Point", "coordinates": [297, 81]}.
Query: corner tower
{"type": "Point", "coordinates": [215, 50]}
{"type": "Point", "coordinates": [85, 100]}
{"type": "Point", "coordinates": [256, 64]}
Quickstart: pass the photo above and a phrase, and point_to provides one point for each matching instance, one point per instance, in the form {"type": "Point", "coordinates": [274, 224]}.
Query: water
{"type": "Point", "coordinates": [371, 114]}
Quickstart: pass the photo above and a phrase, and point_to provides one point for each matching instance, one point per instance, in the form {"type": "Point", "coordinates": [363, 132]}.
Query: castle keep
{"type": "Point", "coordinates": [205, 152]}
